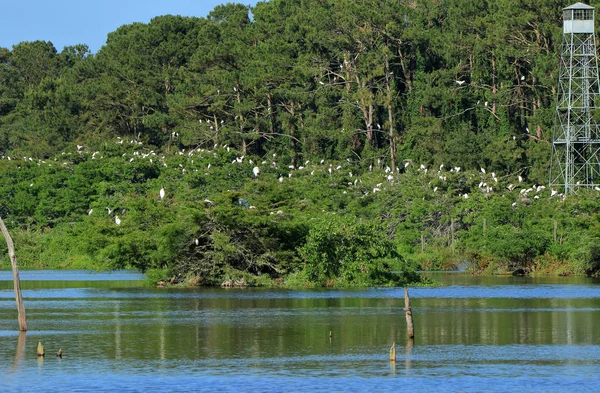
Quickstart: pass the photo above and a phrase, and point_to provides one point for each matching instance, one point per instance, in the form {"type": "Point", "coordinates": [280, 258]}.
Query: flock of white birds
{"type": "Point", "coordinates": [382, 176]}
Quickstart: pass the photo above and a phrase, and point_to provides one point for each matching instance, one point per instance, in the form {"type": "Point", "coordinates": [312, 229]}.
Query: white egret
{"type": "Point", "coordinates": [162, 193]}
{"type": "Point", "coordinates": [117, 220]}
{"type": "Point", "coordinates": [256, 171]}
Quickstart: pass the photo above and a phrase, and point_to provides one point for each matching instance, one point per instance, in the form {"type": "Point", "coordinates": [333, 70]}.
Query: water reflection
{"type": "Point", "coordinates": [408, 352]}
{"type": "Point", "coordinates": [20, 351]}
{"type": "Point", "coordinates": [296, 336]}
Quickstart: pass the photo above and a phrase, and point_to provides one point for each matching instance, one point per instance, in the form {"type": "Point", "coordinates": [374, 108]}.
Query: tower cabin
{"type": "Point", "coordinates": [578, 18]}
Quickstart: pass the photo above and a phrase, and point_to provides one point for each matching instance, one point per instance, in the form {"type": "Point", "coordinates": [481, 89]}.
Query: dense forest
{"type": "Point", "coordinates": [322, 142]}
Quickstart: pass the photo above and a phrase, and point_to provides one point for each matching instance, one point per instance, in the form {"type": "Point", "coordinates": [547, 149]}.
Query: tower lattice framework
{"type": "Point", "coordinates": [576, 139]}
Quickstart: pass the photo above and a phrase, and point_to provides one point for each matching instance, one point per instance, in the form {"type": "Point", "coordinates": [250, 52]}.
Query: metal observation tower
{"type": "Point", "coordinates": [575, 158]}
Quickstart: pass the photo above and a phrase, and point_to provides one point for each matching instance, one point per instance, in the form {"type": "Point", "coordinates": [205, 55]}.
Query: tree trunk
{"type": "Point", "coordinates": [392, 140]}
{"type": "Point", "coordinates": [16, 280]}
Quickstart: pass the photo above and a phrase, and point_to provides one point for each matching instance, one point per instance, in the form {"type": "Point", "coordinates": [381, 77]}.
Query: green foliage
{"type": "Point", "coordinates": [346, 252]}
{"type": "Point", "coordinates": [369, 121]}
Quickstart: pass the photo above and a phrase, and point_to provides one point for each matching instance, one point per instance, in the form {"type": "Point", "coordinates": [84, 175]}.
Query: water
{"type": "Point", "coordinates": [474, 334]}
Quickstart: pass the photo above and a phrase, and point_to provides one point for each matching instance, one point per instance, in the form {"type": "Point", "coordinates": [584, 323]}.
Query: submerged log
{"type": "Point", "coordinates": [59, 354]}
{"type": "Point", "coordinates": [16, 280]}
{"type": "Point", "coordinates": [409, 320]}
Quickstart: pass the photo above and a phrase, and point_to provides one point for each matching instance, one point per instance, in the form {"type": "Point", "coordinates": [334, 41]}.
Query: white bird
{"type": "Point", "coordinates": [520, 179]}
{"type": "Point", "coordinates": [117, 220]}
{"type": "Point", "coordinates": [522, 77]}
{"type": "Point", "coordinates": [256, 171]}
{"type": "Point", "coordinates": [460, 83]}
{"type": "Point", "coordinates": [90, 212]}
{"type": "Point", "coordinates": [483, 171]}
{"type": "Point", "coordinates": [553, 192]}
{"type": "Point", "coordinates": [162, 193]}
{"type": "Point", "coordinates": [280, 179]}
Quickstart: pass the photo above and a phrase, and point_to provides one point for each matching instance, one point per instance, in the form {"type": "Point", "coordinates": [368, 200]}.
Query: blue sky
{"type": "Point", "coordinates": [71, 22]}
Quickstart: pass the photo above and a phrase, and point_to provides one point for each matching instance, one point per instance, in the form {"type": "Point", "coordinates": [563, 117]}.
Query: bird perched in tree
{"type": "Point", "coordinates": [256, 171]}
{"type": "Point", "coordinates": [117, 220]}
{"type": "Point", "coordinates": [162, 193]}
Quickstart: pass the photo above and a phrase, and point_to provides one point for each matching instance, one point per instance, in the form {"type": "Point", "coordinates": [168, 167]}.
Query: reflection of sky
{"type": "Point", "coordinates": [71, 275]}
{"type": "Point", "coordinates": [528, 291]}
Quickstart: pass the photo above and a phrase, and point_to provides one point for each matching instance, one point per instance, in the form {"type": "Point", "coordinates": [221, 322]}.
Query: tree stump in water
{"type": "Point", "coordinates": [393, 353]}
{"type": "Point", "coordinates": [409, 320]}
{"type": "Point", "coordinates": [16, 280]}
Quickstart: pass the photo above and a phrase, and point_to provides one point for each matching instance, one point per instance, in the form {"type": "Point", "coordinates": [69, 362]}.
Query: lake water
{"type": "Point", "coordinates": [472, 335]}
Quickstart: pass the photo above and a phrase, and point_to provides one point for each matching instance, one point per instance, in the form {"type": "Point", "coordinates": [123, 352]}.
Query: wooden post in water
{"type": "Point", "coordinates": [408, 311]}
{"type": "Point", "coordinates": [393, 352]}
{"type": "Point", "coordinates": [16, 280]}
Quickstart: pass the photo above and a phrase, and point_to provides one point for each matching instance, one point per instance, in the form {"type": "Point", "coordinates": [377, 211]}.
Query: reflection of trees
{"type": "Point", "coordinates": [503, 321]}
{"type": "Point", "coordinates": [224, 327]}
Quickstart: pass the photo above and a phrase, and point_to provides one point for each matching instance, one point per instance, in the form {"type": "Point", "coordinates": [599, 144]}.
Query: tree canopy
{"type": "Point", "coordinates": [392, 88]}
